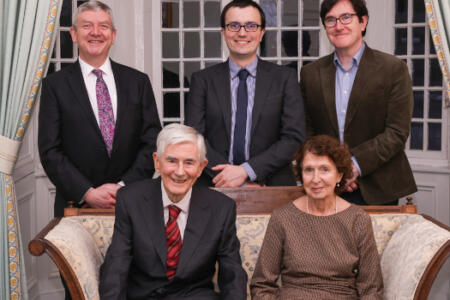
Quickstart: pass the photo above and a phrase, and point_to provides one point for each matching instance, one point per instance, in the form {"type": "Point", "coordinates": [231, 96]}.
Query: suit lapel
{"type": "Point", "coordinates": [328, 86]}
{"type": "Point", "coordinates": [76, 83]}
{"type": "Point", "coordinates": [155, 220]}
{"type": "Point", "coordinates": [262, 88]}
{"type": "Point", "coordinates": [198, 216]}
{"type": "Point", "coordinates": [121, 103]}
{"type": "Point", "coordinates": [363, 76]}
{"type": "Point", "coordinates": [221, 84]}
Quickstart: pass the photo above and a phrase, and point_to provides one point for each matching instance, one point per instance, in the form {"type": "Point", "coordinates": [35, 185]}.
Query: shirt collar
{"type": "Point", "coordinates": [356, 58]}
{"type": "Point", "coordinates": [183, 204]}
{"type": "Point", "coordinates": [86, 68]}
{"type": "Point", "coordinates": [234, 68]}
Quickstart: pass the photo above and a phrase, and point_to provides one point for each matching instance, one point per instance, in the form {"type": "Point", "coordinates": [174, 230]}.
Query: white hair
{"type": "Point", "coordinates": [95, 6]}
{"type": "Point", "coordinates": [177, 133]}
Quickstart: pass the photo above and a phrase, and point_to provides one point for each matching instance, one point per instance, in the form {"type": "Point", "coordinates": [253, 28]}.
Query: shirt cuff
{"type": "Point", "coordinates": [357, 165]}
{"type": "Point", "coordinates": [121, 183]}
{"type": "Point", "coordinates": [82, 201]}
{"type": "Point", "coordinates": [251, 174]}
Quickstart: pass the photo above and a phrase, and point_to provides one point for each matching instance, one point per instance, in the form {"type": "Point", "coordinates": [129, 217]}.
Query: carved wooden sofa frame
{"type": "Point", "coordinates": [250, 202]}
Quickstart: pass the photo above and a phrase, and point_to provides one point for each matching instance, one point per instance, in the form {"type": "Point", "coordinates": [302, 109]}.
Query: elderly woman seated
{"type": "Point", "coordinates": [319, 245]}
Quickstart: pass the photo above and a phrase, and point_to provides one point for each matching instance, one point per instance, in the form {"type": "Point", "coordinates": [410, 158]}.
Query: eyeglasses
{"type": "Point", "coordinates": [235, 27]}
{"type": "Point", "coordinates": [344, 19]}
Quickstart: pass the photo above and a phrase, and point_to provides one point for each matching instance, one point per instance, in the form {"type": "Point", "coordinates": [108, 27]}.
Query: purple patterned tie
{"type": "Point", "coordinates": [105, 111]}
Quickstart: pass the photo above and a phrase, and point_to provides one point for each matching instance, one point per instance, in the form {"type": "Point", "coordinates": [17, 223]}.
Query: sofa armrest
{"type": "Point", "coordinates": [417, 247]}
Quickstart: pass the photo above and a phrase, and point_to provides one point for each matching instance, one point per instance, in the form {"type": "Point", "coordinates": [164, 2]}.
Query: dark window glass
{"type": "Point", "coordinates": [65, 19]}
{"type": "Point", "coordinates": [418, 104]}
{"type": "Point", "coordinates": [171, 105]}
{"type": "Point", "coordinates": [311, 15]}
{"type": "Point", "coordinates": [191, 44]}
{"type": "Point", "coordinates": [212, 14]}
{"type": "Point", "coordinates": [170, 45]}
{"type": "Point", "coordinates": [268, 45]}
{"type": "Point", "coordinates": [289, 40]}
{"type": "Point", "coordinates": [310, 43]}
{"type": "Point", "coordinates": [51, 68]}
{"type": "Point", "coordinates": [434, 136]}
{"type": "Point", "coordinates": [432, 49]}
{"type": "Point", "coordinates": [270, 10]}
{"type": "Point", "coordinates": [189, 68]}
{"type": "Point", "coordinates": [416, 141]}
{"type": "Point", "coordinates": [401, 11]}
{"type": "Point", "coordinates": [171, 73]}
{"type": "Point", "coordinates": [418, 70]}
{"type": "Point", "coordinates": [435, 73]}
{"type": "Point", "coordinates": [66, 45]}
{"type": "Point", "coordinates": [418, 40]}
{"type": "Point", "coordinates": [191, 14]}
{"type": "Point", "coordinates": [289, 13]}
{"type": "Point", "coordinates": [401, 39]}
{"type": "Point", "coordinates": [419, 11]}
{"type": "Point", "coordinates": [435, 107]}
{"type": "Point", "coordinates": [170, 15]}
{"type": "Point", "coordinates": [213, 44]}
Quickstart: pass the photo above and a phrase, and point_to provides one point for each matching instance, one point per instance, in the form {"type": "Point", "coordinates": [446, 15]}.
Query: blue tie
{"type": "Point", "coordinates": [241, 119]}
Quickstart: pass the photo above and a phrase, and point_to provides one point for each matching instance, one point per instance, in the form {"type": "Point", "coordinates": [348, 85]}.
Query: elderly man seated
{"type": "Point", "coordinates": [168, 235]}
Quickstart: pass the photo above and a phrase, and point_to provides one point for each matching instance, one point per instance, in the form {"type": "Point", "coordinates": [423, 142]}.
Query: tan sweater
{"type": "Point", "coordinates": [331, 257]}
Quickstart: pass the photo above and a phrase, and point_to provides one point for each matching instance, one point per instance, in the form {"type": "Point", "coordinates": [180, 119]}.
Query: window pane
{"type": "Point", "coordinates": [418, 104]}
{"type": "Point", "coordinates": [171, 105]}
{"type": "Point", "coordinates": [311, 13]}
{"type": "Point", "coordinates": [191, 14]}
{"type": "Point", "coordinates": [270, 10]}
{"type": "Point", "coordinates": [432, 49]}
{"type": "Point", "coordinates": [51, 68]}
{"type": "Point", "coordinates": [189, 68]}
{"type": "Point", "coordinates": [435, 109]}
{"type": "Point", "coordinates": [65, 19]}
{"type": "Point", "coordinates": [435, 73]}
{"type": "Point", "coordinates": [401, 11]}
{"type": "Point", "coordinates": [401, 39]}
{"type": "Point", "coordinates": [191, 44]}
{"type": "Point", "coordinates": [212, 14]}
{"type": "Point", "coordinates": [170, 45]}
{"type": "Point", "coordinates": [268, 45]}
{"type": "Point", "coordinates": [289, 40]}
{"type": "Point", "coordinates": [416, 141]}
{"type": "Point", "coordinates": [434, 136]}
{"type": "Point", "coordinates": [418, 40]}
{"type": "Point", "coordinates": [417, 74]}
{"type": "Point", "coordinates": [419, 11]}
{"type": "Point", "coordinates": [171, 75]}
{"type": "Point", "coordinates": [289, 13]}
{"type": "Point", "coordinates": [213, 44]}
{"type": "Point", "coordinates": [310, 43]}
{"type": "Point", "coordinates": [66, 45]}
{"type": "Point", "coordinates": [170, 15]}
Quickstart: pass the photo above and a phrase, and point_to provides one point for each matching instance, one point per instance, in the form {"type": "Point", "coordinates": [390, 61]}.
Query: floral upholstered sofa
{"type": "Point", "coordinates": [412, 247]}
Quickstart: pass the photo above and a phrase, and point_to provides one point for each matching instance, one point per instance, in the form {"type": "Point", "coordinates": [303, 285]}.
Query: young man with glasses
{"type": "Point", "coordinates": [363, 97]}
{"type": "Point", "coordinates": [249, 110]}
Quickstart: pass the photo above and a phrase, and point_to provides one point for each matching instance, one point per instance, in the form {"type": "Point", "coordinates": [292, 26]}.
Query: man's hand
{"type": "Point", "coordinates": [103, 196]}
{"type": "Point", "coordinates": [352, 183]}
{"type": "Point", "coordinates": [229, 176]}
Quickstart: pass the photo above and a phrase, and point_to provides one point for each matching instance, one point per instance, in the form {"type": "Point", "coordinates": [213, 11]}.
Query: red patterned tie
{"type": "Point", "coordinates": [173, 240]}
{"type": "Point", "coordinates": [105, 111]}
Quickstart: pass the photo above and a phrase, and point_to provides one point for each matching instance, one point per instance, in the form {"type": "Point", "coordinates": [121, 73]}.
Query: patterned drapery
{"type": "Point", "coordinates": [27, 36]}
{"type": "Point", "coordinates": [438, 12]}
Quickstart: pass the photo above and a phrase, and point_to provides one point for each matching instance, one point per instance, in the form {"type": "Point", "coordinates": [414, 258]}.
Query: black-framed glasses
{"type": "Point", "coordinates": [344, 19]}
{"type": "Point", "coordinates": [235, 27]}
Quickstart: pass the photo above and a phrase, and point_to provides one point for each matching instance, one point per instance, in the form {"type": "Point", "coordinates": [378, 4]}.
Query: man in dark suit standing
{"type": "Point", "coordinates": [98, 120]}
{"type": "Point", "coordinates": [364, 98]}
{"type": "Point", "coordinates": [168, 236]}
{"type": "Point", "coordinates": [249, 110]}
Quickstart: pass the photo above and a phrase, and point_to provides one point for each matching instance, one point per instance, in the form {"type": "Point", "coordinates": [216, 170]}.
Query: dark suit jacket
{"type": "Point", "coordinates": [377, 122]}
{"type": "Point", "coordinates": [278, 126]}
{"type": "Point", "coordinates": [135, 264]}
{"type": "Point", "coordinates": [71, 146]}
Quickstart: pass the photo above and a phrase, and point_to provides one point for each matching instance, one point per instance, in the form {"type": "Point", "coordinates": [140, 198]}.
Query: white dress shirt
{"type": "Point", "coordinates": [90, 81]}
{"type": "Point", "coordinates": [183, 205]}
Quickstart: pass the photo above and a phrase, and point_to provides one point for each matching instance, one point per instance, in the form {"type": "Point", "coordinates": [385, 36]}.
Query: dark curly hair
{"type": "Point", "coordinates": [324, 145]}
{"type": "Point", "coordinates": [358, 5]}
{"type": "Point", "coordinates": [242, 4]}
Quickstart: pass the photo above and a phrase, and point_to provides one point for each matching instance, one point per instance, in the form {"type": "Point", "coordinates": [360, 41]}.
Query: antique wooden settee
{"type": "Point", "coordinates": [412, 247]}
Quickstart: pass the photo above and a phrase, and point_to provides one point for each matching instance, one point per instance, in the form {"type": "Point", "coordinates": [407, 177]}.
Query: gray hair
{"type": "Point", "coordinates": [177, 133]}
{"type": "Point", "coordinates": [95, 6]}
